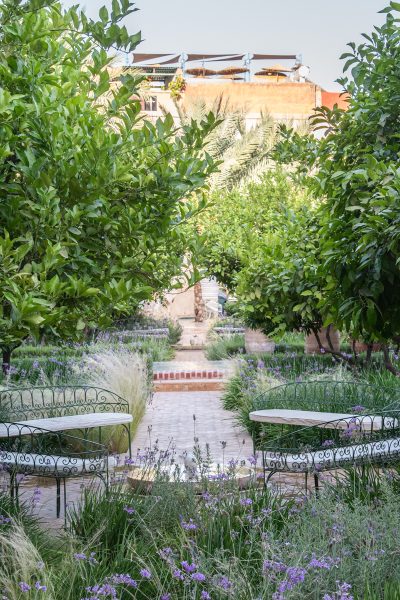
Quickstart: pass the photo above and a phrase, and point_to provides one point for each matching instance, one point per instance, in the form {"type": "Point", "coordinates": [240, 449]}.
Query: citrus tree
{"type": "Point", "coordinates": [355, 168]}
{"type": "Point", "coordinates": [92, 199]}
{"type": "Point", "coordinates": [261, 241]}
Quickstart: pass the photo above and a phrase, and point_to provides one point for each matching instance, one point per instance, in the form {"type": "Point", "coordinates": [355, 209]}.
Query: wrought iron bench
{"type": "Point", "coordinates": [342, 442]}
{"type": "Point", "coordinates": [285, 448]}
{"type": "Point", "coordinates": [327, 396]}
{"type": "Point", "coordinates": [33, 450]}
{"type": "Point", "coordinates": [66, 408]}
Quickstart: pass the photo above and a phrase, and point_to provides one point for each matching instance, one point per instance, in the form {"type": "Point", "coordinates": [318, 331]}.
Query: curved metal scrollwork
{"type": "Point", "coordinates": [361, 439]}
{"type": "Point", "coordinates": [48, 401]}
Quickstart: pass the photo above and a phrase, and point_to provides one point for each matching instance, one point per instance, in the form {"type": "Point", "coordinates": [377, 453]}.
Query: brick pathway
{"type": "Point", "coordinates": [178, 418]}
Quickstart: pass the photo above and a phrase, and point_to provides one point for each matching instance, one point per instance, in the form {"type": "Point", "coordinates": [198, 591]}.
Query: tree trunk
{"type": "Point", "coordinates": [369, 353]}
{"type": "Point", "coordinates": [388, 363]}
{"type": "Point", "coordinates": [325, 338]}
{"type": "Point", "coordinates": [6, 360]}
{"type": "Point", "coordinates": [198, 303]}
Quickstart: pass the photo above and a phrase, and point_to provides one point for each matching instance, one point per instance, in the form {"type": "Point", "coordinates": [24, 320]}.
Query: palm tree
{"type": "Point", "coordinates": [243, 152]}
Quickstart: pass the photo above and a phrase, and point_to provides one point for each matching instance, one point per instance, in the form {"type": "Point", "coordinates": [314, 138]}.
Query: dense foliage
{"type": "Point", "coordinates": [355, 168]}
{"type": "Point", "coordinates": [91, 197]}
{"type": "Point", "coordinates": [262, 242]}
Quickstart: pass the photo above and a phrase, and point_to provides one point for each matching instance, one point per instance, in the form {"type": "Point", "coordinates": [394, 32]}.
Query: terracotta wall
{"type": "Point", "coordinates": [290, 100]}
{"type": "Point", "coordinates": [329, 99]}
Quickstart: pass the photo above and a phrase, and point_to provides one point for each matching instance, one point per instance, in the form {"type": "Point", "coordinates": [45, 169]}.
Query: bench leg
{"type": "Point", "coordinates": [12, 485]}
{"type": "Point", "coordinates": [128, 431]}
{"type": "Point", "coordinates": [14, 488]}
{"type": "Point", "coordinates": [58, 497]}
{"type": "Point", "coordinates": [65, 501]}
{"type": "Point", "coordinates": [267, 479]}
{"type": "Point", "coordinates": [263, 468]}
{"type": "Point", "coordinates": [316, 483]}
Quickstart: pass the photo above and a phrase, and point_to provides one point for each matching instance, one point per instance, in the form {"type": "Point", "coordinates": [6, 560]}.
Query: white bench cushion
{"type": "Point", "coordinates": [326, 420]}
{"type": "Point", "coordinates": [332, 457]}
{"type": "Point", "coordinates": [86, 421]}
{"type": "Point", "coordinates": [43, 464]}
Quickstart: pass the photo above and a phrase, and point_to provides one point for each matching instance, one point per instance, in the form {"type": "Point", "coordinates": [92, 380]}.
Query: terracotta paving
{"type": "Point", "coordinates": [178, 418]}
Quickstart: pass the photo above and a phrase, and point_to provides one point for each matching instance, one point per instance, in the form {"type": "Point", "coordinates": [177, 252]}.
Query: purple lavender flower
{"type": "Point", "coordinates": [205, 595]}
{"type": "Point", "coordinates": [24, 587]}
{"type": "Point", "coordinates": [319, 563]}
{"type": "Point", "coordinates": [129, 510]}
{"type": "Point", "coordinates": [177, 573]}
{"type": "Point", "coordinates": [294, 576]}
{"type": "Point", "coordinates": [342, 592]}
{"type": "Point", "coordinates": [328, 443]}
{"type": "Point", "coordinates": [165, 597]}
{"type": "Point", "coordinates": [352, 429]}
{"type": "Point", "coordinates": [80, 556]}
{"type": "Point", "coordinates": [40, 587]}
{"type": "Point", "coordinates": [357, 408]}
{"type": "Point", "coordinates": [224, 583]}
{"type": "Point", "coordinates": [145, 574]}
{"type": "Point", "coordinates": [198, 577]}
{"type": "Point", "coordinates": [189, 568]}
{"type": "Point", "coordinates": [4, 520]}
{"type": "Point", "coordinates": [123, 579]}
{"type": "Point", "coordinates": [246, 501]}
{"type": "Point", "coordinates": [272, 565]}
{"type": "Point", "coordinates": [189, 525]}
{"type": "Point", "coordinates": [105, 589]}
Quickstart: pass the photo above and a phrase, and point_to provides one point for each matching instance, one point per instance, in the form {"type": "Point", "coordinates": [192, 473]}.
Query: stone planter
{"type": "Point", "coordinates": [256, 341]}
{"type": "Point", "coordinates": [362, 347]}
{"type": "Point", "coordinates": [311, 345]}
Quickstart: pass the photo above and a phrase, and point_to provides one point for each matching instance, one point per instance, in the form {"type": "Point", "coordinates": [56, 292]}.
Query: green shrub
{"type": "Point", "coordinates": [223, 347]}
{"type": "Point", "coordinates": [175, 332]}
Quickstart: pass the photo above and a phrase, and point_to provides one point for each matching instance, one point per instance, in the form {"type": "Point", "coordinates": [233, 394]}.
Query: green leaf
{"type": "Point", "coordinates": [103, 14]}
{"type": "Point", "coordinates": [34, 319]}
{"type": "Point", "coordinates": [80, 325]}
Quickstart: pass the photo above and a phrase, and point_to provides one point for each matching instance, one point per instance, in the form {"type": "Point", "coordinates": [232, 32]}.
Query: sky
{"type": "Point", "coordinates": [317, 29]}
